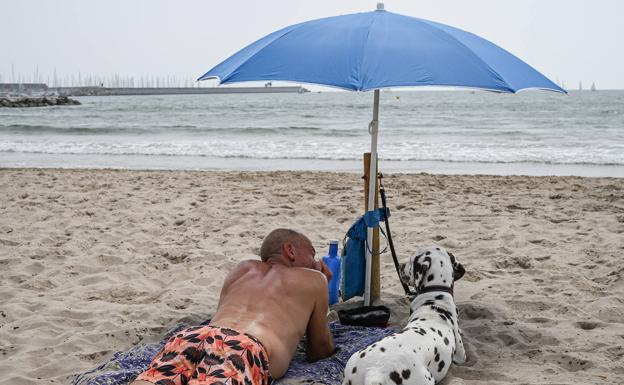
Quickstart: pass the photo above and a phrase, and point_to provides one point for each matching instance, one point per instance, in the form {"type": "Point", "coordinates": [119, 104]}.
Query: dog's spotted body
{"type": "Point", "coordinates": [423, 351]}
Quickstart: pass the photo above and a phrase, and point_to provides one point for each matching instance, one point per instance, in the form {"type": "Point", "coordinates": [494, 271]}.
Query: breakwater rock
{"type": "Point", "coordinates": [43, 101]}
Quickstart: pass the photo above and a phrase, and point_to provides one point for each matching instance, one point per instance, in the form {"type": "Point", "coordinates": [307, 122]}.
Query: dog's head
{"type": "Point", "coordinates": [431, 266]}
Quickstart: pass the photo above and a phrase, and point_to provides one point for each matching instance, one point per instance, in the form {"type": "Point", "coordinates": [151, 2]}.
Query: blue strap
{"type": "Point", "coordinates": [372, 218]}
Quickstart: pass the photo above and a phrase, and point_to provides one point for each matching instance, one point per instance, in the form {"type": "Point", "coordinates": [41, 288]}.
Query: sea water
{"type": "Point", "coordinates": [534, 133]}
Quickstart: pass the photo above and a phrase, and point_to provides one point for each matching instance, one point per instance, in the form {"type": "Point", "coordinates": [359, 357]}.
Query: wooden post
{"type": "Point", "coordinates": [375, 272]}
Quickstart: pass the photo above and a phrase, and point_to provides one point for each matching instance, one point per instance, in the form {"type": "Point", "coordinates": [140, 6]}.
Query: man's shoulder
{"type": "Point", "coordinates": [308, 277]}
{"type": "Point", "coordinates": [299, 276]}
{"type": "Point", "coordinates": [249, 263]}
{"type": "Point", "coordinates": [245, 267]}
{"type": "Point", "coordinates": [310, 272]}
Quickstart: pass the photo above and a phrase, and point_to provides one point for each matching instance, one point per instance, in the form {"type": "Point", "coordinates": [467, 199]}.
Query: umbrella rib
{"type": "Point", "coordinates": [221, 81]}
{"type": "Point", "coordinates": [295, 80]}
{"type": "Point", "coordinates": [364, 45]}
{"type": "Point", "coordinates": [502, 78]}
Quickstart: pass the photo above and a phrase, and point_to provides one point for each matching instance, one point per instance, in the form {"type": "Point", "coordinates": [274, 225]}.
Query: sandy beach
{"type": "Point", "coordinates": [96, 261]}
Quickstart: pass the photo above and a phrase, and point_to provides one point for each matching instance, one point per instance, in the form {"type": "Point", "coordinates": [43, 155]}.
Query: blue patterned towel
{"type": "Point", "coordinates": [123, 367]}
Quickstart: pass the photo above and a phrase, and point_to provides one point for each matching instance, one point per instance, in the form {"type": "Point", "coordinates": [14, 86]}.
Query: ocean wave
{"type": "Point", "coordinates": [294, 130]}
{"type": "Point", "coordinates": [326, 157]}
{"type": "Point", "coordinates": [24, 129]}
{"type": "Point", "coordinates": [310, 150]}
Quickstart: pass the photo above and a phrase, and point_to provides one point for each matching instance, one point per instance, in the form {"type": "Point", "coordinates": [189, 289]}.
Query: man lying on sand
{"type": "Point", "coordinates": [264, 309]}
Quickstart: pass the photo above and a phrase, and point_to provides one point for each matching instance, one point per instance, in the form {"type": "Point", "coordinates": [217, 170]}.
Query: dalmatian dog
{"type": "Point", "coordinates": [423, 351]}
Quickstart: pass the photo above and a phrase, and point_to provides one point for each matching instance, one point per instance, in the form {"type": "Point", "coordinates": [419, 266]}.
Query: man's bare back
{"type": "Point", "coordinates": [277, 305]}
{"type": "Point", "coordinates": [276, 301]}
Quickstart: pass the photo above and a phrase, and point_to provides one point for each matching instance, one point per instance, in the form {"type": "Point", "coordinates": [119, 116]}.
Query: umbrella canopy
{"type": "Point", "coordinates": [374, 50]}
{"type": "Point", "coordinates": [379, 49]}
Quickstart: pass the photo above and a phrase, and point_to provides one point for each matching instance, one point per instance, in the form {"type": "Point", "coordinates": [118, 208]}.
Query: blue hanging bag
{"type": "Point", "coordinates": [353, 266]}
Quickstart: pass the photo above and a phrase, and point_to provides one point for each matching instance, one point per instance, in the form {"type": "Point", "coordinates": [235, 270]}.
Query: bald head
{"type": "Point", "coordinates": [272, 244]}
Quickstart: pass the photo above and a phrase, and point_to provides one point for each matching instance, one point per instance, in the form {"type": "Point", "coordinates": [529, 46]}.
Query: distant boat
{"type": "Point", "coordinates": [580, 86]}
{"type": "Point", "coordinates": [593, 87]}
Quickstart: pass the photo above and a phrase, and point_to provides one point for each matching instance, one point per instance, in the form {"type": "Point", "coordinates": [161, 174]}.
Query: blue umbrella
{"type": "Point", "coordinates": [375, 50]}
{"type": "Point", "coordinates": [379, 49]}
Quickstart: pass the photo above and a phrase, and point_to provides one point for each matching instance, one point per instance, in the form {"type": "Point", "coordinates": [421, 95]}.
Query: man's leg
{"type": "Point", "coordinates": [175, 363]}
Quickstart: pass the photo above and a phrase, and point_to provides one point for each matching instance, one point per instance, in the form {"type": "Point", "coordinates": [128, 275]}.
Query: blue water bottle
{"type": "Point", "coordinates": [332, 260]}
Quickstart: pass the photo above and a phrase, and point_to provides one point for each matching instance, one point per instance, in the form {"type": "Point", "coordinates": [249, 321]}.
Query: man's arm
{"type": "Point", "coordinates": [323, 268]}
{"type": "Point", "coordinates": [319, 342]}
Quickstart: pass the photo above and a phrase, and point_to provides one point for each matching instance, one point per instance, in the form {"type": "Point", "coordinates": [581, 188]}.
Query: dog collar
{"type": "Point", "coordinates": [429, 289]}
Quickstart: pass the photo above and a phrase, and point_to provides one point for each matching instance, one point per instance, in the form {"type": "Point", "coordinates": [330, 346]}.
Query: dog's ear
{"type": "Point", "coordinates": [406, 272]}
{"type": "Point", "coordinates": [402, 273]}
{"type": "Point", "coordinates": [411, 271]}
{"type": "Point", "coordinates": [458, 268]}
{"type": "Point", "coordinates": [458, 271]}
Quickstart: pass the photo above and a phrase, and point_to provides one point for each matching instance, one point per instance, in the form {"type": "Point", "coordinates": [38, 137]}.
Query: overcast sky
{"type": "Point", "coordinates": [567, 40]}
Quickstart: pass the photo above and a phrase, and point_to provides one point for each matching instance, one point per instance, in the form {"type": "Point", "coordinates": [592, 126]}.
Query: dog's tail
{"type": "Point", "coordinates": [374, 376]}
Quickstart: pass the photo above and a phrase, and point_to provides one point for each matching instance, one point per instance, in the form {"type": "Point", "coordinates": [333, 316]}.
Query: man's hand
{"type": "Point", "coordinates": [322, 267]}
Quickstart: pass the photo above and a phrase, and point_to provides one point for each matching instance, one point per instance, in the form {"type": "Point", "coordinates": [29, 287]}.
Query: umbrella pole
{"type": "Point", "coordinates": [373, 128]}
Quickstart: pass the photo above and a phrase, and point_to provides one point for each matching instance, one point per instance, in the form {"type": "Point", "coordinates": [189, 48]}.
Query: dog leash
{"type": "Point", "coordinates": [382, 193]}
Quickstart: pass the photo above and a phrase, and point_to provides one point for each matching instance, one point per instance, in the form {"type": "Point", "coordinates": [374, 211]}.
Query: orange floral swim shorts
{"type": "Point", "coordinates": [210, 355]}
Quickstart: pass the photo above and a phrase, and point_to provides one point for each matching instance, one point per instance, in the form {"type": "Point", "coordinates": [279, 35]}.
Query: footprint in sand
{"type": "Point", "coordinates": [588, 325]}
{"type": "Point", "coordinates": [34, 268]}
{"type": "Point", "coordinates": [470, 311]}
{"type": "Point", "coordinates": [541, 320]}
{"type": "Point", "coordinates": [93, 356]}
{"type": "Point", "coordinates": [7, 242]}
{"type": "Point", "coordinates": [507, 339]}
{"type": "Point", "coordinates": [523, 262]}
{"type": "Point", "coordinates": [567, 362]}
{"type": "Point", "coordinates": [110, 260]}
{"type": "Point", "coordinates": [174, 256]}
{"type": "Point", "coordinates": [542, 242]}
{"type": "Point", "coordinates": [179, 304]}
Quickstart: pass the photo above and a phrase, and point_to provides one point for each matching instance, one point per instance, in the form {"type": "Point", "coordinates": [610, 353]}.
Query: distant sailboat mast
{"type": "Point", "coordinates": [593, 87]}
{"type": "Point", "coordinates": [580, 86]}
